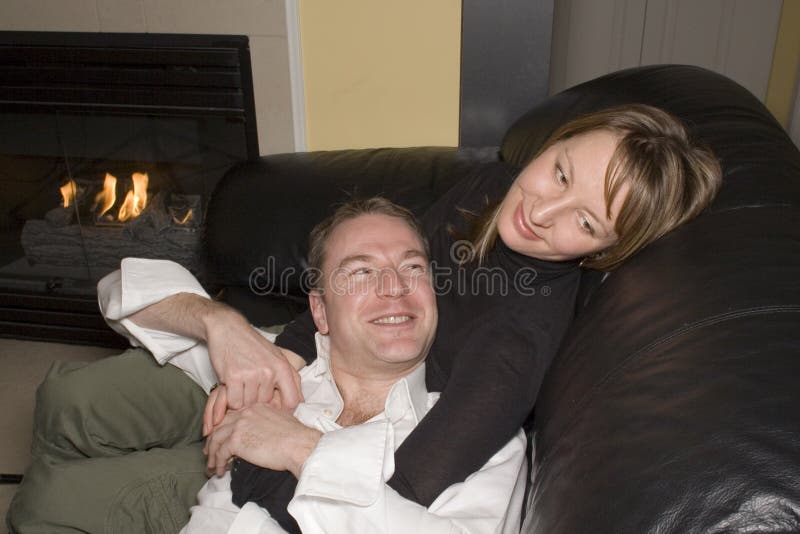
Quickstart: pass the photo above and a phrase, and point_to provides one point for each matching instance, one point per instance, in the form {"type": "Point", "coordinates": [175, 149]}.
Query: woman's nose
{"type": "Point", "coordinates": [545, 210]}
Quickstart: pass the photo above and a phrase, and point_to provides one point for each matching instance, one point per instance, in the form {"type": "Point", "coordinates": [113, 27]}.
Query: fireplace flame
{"type": "Point", "coordinates": [186, 218]}
{"type": "Point", "coordinates": [68, 192]}
{"type": "Point", "coordinates": [136, 200]}
{"type": "Point", "coordinates": [106, 198]}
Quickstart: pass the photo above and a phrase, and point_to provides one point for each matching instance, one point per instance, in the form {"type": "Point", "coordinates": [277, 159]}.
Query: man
{"type": "Point", "coordinates": [376, 314]}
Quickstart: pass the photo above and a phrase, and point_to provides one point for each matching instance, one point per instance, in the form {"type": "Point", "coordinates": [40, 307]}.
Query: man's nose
{"type": "Point", "coordinates": [392, 283]}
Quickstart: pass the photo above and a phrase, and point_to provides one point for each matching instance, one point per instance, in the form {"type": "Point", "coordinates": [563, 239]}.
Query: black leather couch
{"type": "Point", "coordinates": [674, 404]}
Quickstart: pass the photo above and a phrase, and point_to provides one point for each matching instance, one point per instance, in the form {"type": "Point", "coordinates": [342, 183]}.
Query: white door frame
{"type": "Point", "coordinates": [296, 74]}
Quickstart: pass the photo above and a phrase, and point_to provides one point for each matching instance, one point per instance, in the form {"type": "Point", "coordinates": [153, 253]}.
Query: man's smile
{"type": "Point", "coordinates": [392, 319]}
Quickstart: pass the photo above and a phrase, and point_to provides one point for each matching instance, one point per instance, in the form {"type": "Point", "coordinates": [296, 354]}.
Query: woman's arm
{"type": "Point", "coordinates": [298, 337]}
{"type": "Point", "coordinates": [334, 497]}
{"type": "Point", "coordinates": [492, 383]}
{"type": "Point", "coordinates": [491, 390]}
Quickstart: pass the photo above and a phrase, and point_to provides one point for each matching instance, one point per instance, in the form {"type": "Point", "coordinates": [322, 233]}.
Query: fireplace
{"type": "Point", "coordinates": [110, 145]}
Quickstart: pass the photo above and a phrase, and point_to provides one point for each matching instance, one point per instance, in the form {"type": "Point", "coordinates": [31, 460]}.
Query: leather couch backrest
{"type": "Point", "coordinates": [262, 211]}
{"type": "Point", "coordinates": [673, 405]}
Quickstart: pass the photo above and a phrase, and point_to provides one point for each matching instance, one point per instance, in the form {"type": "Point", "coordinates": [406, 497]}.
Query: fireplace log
{"type": "Point", "coordinates": [60, 216]}
{"type": "Point", "coordinates": [105, 246]}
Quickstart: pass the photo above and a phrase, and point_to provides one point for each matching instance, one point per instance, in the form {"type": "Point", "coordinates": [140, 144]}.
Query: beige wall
{"type": "Point", "coordinates": [785, 63]}
{"type": "Point", "coordinates": [379, 73]}
{"type": "Point", "coordinates": [263, 20]}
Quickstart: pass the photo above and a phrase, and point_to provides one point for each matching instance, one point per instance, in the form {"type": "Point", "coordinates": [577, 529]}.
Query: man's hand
{"type": "Point", "coordinates": [251, 367]}
{"type": "Point", "coordinates": [262, 435]}
{"type": "Point", "coordinates": [217, 407]}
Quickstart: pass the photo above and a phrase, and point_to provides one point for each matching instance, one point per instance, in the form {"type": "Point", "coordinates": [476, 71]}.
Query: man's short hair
{"type": "Point", "coordinates": [318, 237]}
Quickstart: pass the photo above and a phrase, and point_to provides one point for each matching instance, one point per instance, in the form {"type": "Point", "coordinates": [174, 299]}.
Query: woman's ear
{"type": "Point", "coordinates": [317, 305]}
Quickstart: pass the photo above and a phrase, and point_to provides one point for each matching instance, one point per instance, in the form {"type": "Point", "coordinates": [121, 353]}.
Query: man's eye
{"type": "Point", "coordinates": [416, 268]}
{"type": "Point", "coordinates": [362, 271]}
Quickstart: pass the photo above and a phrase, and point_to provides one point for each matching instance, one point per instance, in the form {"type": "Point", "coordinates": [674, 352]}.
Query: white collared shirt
{"type": "Point", "coordinates": [342, 486]}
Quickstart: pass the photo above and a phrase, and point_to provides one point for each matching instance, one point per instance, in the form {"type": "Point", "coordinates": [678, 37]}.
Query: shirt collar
{"type": "Point", "coordinates": [323, 344]}
{"type": "Point", "coordinates": [409, 391]}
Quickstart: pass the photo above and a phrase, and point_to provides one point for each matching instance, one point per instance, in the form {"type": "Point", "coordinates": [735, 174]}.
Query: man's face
{"type": "Point", "coordinates": [378, 306]}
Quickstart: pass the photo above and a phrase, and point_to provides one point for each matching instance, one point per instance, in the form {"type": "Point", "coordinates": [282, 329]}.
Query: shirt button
{"type": "Point", "coordinates": [327, 413]}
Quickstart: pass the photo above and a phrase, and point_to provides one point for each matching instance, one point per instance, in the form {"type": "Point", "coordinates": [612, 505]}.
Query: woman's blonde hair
{"type": "Point", "coordinates": [671, 178]}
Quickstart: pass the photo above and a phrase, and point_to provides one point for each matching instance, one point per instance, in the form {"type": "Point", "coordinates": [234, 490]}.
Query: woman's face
{"type": "Point", "coordinates": [556, 209]}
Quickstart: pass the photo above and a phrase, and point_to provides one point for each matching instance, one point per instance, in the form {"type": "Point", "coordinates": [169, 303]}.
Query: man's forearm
{"type": "Point", "coordinates": [191, 315]}
{"type": "Point", "coordinates": [185, 314]}
{"type": "Point", "coordinates": [148, 298]}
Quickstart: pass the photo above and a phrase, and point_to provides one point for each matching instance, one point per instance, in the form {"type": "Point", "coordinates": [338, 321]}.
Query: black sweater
{"type": "Point", "coordinates": [500, 325]}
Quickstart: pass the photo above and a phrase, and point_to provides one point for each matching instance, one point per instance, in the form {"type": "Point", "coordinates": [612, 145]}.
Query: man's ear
{"type": "Point", "coordinates": [317, 305]}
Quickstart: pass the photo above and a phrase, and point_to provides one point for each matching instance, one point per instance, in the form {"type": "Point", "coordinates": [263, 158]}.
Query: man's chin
{"type": "Point", "coordinates": [402, 352]}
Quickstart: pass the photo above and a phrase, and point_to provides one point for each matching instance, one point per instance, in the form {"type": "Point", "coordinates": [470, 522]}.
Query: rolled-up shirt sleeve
{"type": "Point", "coordinates": [342, 488]}
{"type": "Point", "coordinates": [140, 283]}
{"type": "Point", "coordinates": [215, 512]}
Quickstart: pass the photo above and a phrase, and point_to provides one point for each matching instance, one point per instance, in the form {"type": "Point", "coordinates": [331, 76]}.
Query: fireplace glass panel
{"type": "Point", "coordinates": [82, 191]}
{"type": "Point", "coordinates": [110, 146]}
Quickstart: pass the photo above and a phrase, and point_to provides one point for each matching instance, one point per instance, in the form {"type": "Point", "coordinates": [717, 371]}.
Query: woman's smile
{"type": "Point", "coordinates": [522, 226]}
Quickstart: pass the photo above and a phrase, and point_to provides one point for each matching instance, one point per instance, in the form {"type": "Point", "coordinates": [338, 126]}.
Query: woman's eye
{"type": "Point", "coordinates": [586, 226]}
{"type": "Point", "coordinates": [561, 178]}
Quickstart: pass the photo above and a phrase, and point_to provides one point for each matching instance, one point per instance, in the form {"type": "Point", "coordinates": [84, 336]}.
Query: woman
{"type": "Point", "coordinates": [601, 188]}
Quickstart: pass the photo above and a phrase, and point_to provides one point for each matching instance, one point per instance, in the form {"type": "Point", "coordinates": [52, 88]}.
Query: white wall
{"type": "Point", "coordinates": [733, 37]}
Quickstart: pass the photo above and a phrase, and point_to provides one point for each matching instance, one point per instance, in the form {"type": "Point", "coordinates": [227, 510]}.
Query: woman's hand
{"type": "Point", "coordinates": [262, 435]}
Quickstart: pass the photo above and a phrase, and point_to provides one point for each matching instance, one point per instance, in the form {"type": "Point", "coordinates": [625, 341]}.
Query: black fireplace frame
{"type": "Point", "coordinates": [135, 74]}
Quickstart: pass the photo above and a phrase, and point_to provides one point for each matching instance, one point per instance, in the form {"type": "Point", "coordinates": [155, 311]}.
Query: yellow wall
{"type": "Point", "coordinates": [785, 63]}
{"type": "Point", "coordinates": [380, 72]}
